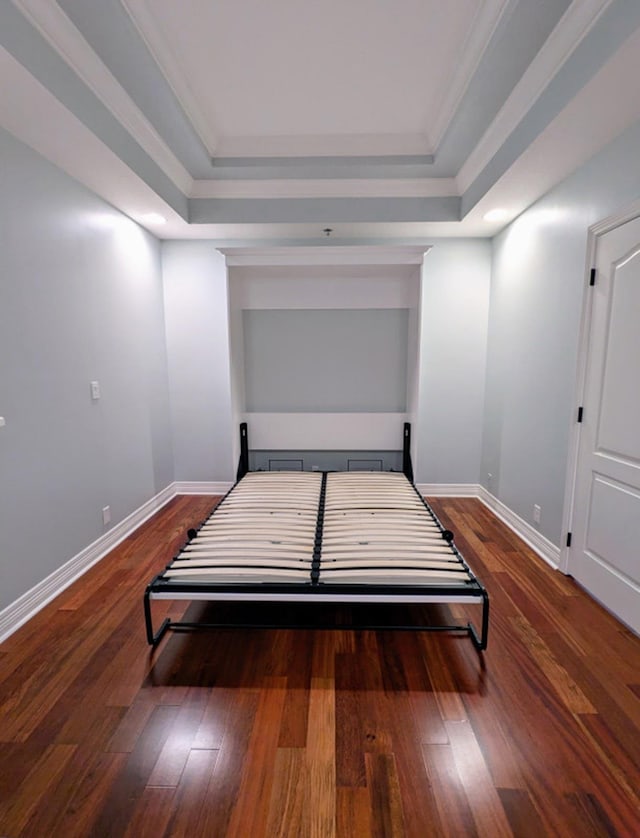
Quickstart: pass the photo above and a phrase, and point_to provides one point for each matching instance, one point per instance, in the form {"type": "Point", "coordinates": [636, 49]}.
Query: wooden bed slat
{"type": "Point", "coordinates": [242, 555]}
{"type": "Point", "coordinates": [400, 576]}
{"type": "Point", "coordinates": [282, 544]}
{"type": "Point", "coordinates": [281, 561]}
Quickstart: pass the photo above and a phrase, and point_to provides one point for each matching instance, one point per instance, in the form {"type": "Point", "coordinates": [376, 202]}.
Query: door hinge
{"type": "Point", "coordinates": [592, 277]}
{"type": "Point", "coordinates": [568, 539]}
{"type": "Point", "coordinates": [580, 412]}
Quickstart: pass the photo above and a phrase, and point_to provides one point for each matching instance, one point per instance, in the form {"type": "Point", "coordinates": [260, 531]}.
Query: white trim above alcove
{"type": "Point", "coordinates": [329, 255]}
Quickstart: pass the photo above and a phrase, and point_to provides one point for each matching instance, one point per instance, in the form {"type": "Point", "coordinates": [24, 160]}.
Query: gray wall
{"type": "Point", "coordinates": [453, 339]}
{"type": "Point", "coordinates": [80, 300]}
{"type": "Point", "coordinates": [197, 322]}
{"type": "Point", "coordinates": [345, 360]}
{"type": "Point", "coordinates": [538, 281]}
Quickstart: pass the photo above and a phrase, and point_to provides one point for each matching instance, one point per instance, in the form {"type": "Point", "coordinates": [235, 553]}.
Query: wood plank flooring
{"type": "Point", "coordinates": [349, 733]}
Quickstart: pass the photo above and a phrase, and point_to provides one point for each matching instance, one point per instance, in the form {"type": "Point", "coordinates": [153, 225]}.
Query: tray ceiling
{"type": "Point", "coordinates": [252, 123]}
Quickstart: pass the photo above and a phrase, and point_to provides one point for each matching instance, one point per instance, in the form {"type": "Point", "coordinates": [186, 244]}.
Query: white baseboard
{"type": "Point", "coordinates": [448, 490]}
{"type": "Point", "coordinates": [28, 605]}
{"type": "Point", "coordinates": [541, 545]}
{"type": "Point", "coordinates": [538, 543]}
{"type": "Point", "coordinates": [192, 487]}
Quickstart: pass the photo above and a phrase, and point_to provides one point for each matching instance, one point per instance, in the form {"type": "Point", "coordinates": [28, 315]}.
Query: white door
{"type": "Point", "coordinates": [605, 546]}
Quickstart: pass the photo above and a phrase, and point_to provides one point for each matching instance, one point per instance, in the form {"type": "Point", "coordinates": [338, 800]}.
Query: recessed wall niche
{"type": "Point", "coordinates": [324, 358]}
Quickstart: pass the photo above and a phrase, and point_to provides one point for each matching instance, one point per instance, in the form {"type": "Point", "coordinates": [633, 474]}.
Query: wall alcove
{"type": "Point", "coordinates": [324, 354]}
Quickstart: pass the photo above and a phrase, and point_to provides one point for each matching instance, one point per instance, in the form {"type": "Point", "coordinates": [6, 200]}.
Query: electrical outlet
{"type": "Point", "coordinates": [106, 515]}
{"type": "Point", "coordinates": [95, 390]}
{"type": "Point", "coordinates": [536, 513]}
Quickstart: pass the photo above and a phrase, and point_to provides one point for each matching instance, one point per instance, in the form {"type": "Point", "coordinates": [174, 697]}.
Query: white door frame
{"type": "Point", "coordinates": [595, 231]}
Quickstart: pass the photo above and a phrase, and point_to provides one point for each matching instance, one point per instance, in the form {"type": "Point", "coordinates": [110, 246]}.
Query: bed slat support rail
{"type": "Point", "coordinates": [479, 640]}
{"type": "Point", "coordinates": [317, 547]}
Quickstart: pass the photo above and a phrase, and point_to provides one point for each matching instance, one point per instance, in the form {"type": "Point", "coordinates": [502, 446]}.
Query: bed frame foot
{"type": "Point", "coordinates": [154, 639]}
{"type": "Point", "coordinates": [478, 643]}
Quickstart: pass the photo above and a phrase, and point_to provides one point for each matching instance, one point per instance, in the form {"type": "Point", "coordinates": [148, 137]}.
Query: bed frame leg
{"type": "Point", "coordinates": [153, 638]}
{"type": "Point", "coordinates": [480, 643]}
{"type": "Point", "coordinates": [243, 462]}
{"type": "Point", "coordinates": [407, 467]}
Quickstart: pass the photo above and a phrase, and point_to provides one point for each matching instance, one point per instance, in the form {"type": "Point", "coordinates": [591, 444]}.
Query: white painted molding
{"type": "Point", "coordinates": [62, 35]}
{"type": "Point", "coordinates": [143, 19]}
{"type": "Point", "coordinates": [448, 490]}
{"type": "Point", "coordinates": [28, 605]}
{"type": "Point", "coordinates": [609, 223]}
{"type": "Point", "coordinates": [192, 487]}
{"type": "Point", "coordinates": [330, 255]}
{"type": "Point", "coordinates": [573, 27]}
{"type": "Point", "coordinates": [73, 148]}
{"type": "Point", "coordinates": [538, 543]}
{"type": "Point", "coordinates": [597, 230]}
{"type": "Point", "coordinates": [324, 145]}
{"type": "Point", "coordinates": [487, 18]}
{"type": "Point", "coordinates": [578, 390]}
{"type": "Point", "coordinates": [327, 188]}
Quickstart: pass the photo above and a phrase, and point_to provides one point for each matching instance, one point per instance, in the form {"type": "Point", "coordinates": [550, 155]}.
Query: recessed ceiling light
{"type": "Point", "coordinates": [496, 215]}
{"type": "Point", "coordinates": [153, 218]}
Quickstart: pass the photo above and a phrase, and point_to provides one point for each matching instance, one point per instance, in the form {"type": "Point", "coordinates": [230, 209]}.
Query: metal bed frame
{"type": "Point", "coordinates": [315, 587]}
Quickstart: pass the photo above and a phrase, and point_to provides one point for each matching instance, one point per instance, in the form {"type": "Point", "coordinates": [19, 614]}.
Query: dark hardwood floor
{"type": "Point", "coordinates": [278, 732]}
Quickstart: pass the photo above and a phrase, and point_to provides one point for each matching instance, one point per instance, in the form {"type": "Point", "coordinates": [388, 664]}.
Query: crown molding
{"type": "Point", "coordinates": [484, 24]}
{"type": "Point", "coordinates": [145, 24]}
{"type": "Point", "coordinates": [72, 147]}
{"type": "Point", "coordinates": [329, 188]}
{"type": "Point", "coordinates": [573, 27]}
{"type": "Point", "coordinates": [56, 28]}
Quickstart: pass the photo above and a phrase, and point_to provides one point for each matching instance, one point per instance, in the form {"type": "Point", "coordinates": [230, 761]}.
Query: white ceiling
{"type": "Point", "coordinates": [257, 123]}
{"type": "Point", "coordinates": [298, 73]}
